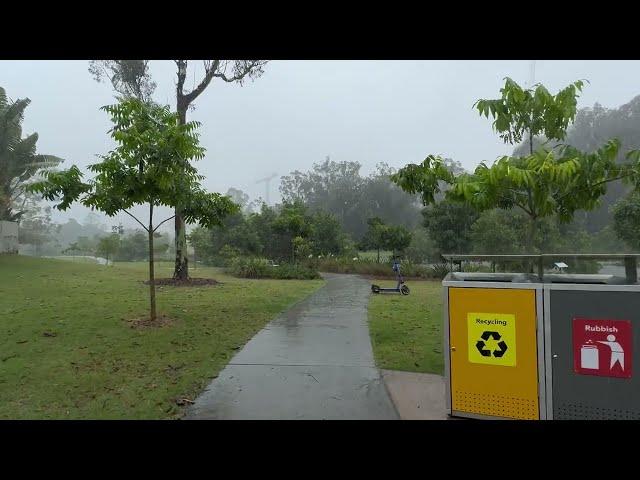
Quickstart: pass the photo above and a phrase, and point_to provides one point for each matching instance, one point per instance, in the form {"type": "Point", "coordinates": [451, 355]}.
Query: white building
{"type": "Point", "coordinates": [8, 237]}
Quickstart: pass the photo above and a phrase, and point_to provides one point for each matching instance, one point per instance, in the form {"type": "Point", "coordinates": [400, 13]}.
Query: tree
{"type": "Point", "coordinates": [19, 162]}
{"type": "Point", "coordinates": [591, 128]}
{"type": "Point", "coordinates": [108, 246]}
{"type": "Point", "coordinates": [239, 197]}
{"type": "Point", "coordinates": [449, 225]}
{"type": "Point", "coordinates": [129, 78]}
{"type": "Point", "coordinates": [374, 238]}
{"type": "Point", "coordinates": [134, 246]}
{"type": "Point", "coordinates": [555, 182]}
{"type": "Point", "coordinates": [422, 248]}
{"type": "Point", "coordinates": [339, 188]}
{"type": "Point", "coordinates": [83, 246]}
{"type": "Point", "coordinates": [326, 235]}
{"type": "Point", "coordinates": [229, 71]}
{"type": "Point", "coordinates": [151, 164]}
{"type": "Point", "coordinates": [497, 232]}
{"type": "Point", "coordinates": [293, 222]}
{"type": "Point", "coordinates": [35, 227]}
{"type": "Point", "coordinates": [626, 220]}
{"type": "Point", "coordinates": [396, 238]}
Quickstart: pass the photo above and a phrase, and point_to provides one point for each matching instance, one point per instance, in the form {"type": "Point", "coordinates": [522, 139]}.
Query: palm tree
{"type": "Point", "coordinates": [19, 162]}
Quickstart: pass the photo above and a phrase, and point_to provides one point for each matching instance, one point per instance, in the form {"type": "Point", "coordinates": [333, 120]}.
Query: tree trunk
{"type": "Point", "coordinates": [378, 261]}
{"type": "Point", "coordinates": [152, 279]}
{"type": "Point", "coordinates": [531, 243]}
{"type": "Point", "coordinates": [530, 143]}
{"type": "Point", "coordinates": [181, 269]}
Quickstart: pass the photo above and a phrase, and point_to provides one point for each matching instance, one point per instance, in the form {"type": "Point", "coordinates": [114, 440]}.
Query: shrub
{"type": "Point", "coordinates": [371, 267]}
{"type": "Point", "coordinates": [440, 270]}
{"type": "Point", "coordinates": [260, 268]}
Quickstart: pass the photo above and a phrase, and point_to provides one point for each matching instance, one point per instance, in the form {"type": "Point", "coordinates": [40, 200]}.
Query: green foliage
{"type": "Point", "coordinates": [135, 246]}
{"type": "Point", "coordinates": [260, 268]}
{"type": "Point", "coordinates": [108, 246]}
{"type": "Point", "coordinates": [150, 164]}
{"type": "Point", "coordinates": [288, 232]}
{"type": "Point", "coordinates": [396, 238]}
{"type": "Point", "coordinates": [364, 266]}
{"type": "Point", "coordinates": [425, 179]}
{"type": "Point", "coordinates": [130, 78]}
{"type": "Point", "coordinates": [534, 111]}
{"type": "Point", "coordinates": [338, 188]}
{"type": "Point", "coordinates": [36, 227]}
{"type": "Point", "coordinates": [19, 162]}
{"type": "Point", "coordinates": [327, 236]}
{"type": "Point", "coordinates": [497, 232]}
{"type": "Point", "coordinates": [440, 270]}
{"type": "Point", "coordinates": [626, 220]}
{"type": "Point", "coordinates": [592, 127]}
{"type": "Point", "coordinates": [422, 248]}
{"type": "Point", "coordinates": [449, 225]}
{"type": "Point", "coordinates": [544, 183]}
{"type": "Point", "coordinates": [380, 236]}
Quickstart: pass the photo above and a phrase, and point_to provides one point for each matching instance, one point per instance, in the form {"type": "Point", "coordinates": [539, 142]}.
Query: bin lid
{"type": "Point", "coordinates": [584, 278]}
{"type": "Point", "coordinates": [490, 277]}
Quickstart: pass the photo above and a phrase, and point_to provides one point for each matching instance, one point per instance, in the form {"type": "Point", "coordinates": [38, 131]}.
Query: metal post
{"type": "Point", "coordinates": [631, 269]}
{"type": "Point", "coordinates": [540, 268]}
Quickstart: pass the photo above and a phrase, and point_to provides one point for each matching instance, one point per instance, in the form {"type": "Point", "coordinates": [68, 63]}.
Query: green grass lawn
{"type": "Point", "coordinates": [406, 331]}
{"type": "Point", "coordinates": [68, 351]}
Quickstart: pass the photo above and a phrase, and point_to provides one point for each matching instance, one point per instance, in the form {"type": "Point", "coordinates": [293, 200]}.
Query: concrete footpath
{"type": "Point", "coordinates": [417, 396]}
{"type": "Point", "coordinates": [314, 361]}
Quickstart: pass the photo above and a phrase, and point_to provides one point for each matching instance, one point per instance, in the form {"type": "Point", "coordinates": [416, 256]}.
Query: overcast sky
{"type": "Point", "coordinates": [299, 112]}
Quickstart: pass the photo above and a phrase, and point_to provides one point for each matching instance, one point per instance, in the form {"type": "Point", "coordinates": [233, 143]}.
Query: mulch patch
{"type": "Point", "coordinates": [191, 282]}
{"type": "Point", "coordinates": [145, 322]}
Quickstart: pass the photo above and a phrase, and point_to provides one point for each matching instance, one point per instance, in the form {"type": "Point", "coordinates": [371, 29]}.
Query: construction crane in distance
{"type": "Point", "coordinates": [267, 182]}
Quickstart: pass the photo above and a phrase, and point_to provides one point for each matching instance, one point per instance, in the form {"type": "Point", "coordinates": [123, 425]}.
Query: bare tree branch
{"type": "Point", "coordinates": [145, 228]}
{"type": "Point", "coordinates": [218, 69]}
{"type": "Point", "coordinates": [210, 70]}
{"type": "Point", "coordinates": [172, 216]}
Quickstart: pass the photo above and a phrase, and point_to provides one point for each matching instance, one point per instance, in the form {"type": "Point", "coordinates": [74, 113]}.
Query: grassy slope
{"type": "Point", "coordinates": [96, 366]}
{"type": "Point", "coordinates": [406, 331]}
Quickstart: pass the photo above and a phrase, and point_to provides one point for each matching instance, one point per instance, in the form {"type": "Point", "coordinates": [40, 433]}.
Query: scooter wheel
{"type": "Point", "coordinates": [404, 290]}
{"type": "Point", "coordinates": [375, 288]}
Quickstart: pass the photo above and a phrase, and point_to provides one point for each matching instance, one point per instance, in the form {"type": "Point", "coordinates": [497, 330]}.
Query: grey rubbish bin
{"type": "Point", "coordinates": [592, 339]}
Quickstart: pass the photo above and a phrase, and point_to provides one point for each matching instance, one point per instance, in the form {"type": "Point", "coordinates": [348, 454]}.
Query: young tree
{"type": "Point", "coordinates": [327, 236]}
{"type": "Point", "coordinates": [449, 225]}
{"type": "Point", "coordinates": [35, 227]}
{"type": "Point", "coordinates": [19, 162]}
{"type": "Point", "coordinates": [541, 184]}
{"type": "Point", "coordinates": [293, 222]}
{"type": "Point", "coordinates": [108, 246]}
{"type": "Point", "coordinates": [150, 165]}
{"type": "Point", "coordinates": [396, 238]}
{"type": "Point", "coordinates": [374, 238]}
{"type": "Point", "coordinates": [626, 220]}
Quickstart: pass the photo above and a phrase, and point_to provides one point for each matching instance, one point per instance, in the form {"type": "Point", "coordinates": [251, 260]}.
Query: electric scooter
{"type": "Point", "coordinates": [400, 288]}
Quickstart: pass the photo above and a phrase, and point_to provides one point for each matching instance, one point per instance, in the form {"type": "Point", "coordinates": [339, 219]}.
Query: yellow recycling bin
{"type": "Point", "coordinates": [493, 334]}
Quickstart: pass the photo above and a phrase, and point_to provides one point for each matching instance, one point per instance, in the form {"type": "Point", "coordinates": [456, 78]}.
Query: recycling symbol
{"type": "Point", "coordinates": [480, 345]}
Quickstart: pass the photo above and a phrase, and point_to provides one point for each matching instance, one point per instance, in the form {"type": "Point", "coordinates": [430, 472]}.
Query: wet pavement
{"type": "Point", "coordinates": [417, 396]}
{"type": "Point", "coordinates": [313, 362]}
